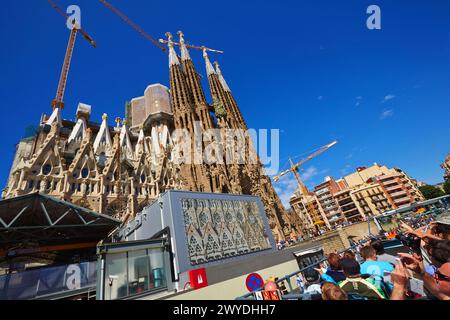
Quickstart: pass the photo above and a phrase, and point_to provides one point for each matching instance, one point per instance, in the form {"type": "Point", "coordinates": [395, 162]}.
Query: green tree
{"type": "Point", "coordinates": [431, 192]}
{"type": "Point", "coordinates": [447, 186]}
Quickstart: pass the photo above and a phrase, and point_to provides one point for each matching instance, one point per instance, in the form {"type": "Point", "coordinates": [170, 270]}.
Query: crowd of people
{"type": "Point", "coordinates": [367, 272]}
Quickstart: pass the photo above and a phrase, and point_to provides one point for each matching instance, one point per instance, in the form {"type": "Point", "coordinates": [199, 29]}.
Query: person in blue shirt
{"type": "Point", "coordinates": [334, 273]}
{"type": "Point", "coordinates": [376, 269]}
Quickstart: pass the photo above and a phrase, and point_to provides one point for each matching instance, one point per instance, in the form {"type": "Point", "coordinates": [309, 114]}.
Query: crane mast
{"type": "Point", "coordinates": [294, 168]}
{"type": "Point", "coordinates": [301, 186]}
{"type": "Point", "coordinates": [58, 102]}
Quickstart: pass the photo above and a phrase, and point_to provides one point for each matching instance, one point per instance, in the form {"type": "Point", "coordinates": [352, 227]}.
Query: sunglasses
{"type": "Point", "coordinates": [441, 277]}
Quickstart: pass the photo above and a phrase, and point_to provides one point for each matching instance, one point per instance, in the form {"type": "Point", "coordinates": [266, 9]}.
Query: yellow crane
{"type": "Point", "coordinates": [190, 46]}
{"type": "Point", "coordinates": [128, 21]}
{"type": "Point", "coordinates": [301, 186]}
{"type": "Point", "coordinates": [58, 102]}
{"type": "Point", "coordinates": [294, 167]}
{"type": "Point", "coordinates": [136, 27]}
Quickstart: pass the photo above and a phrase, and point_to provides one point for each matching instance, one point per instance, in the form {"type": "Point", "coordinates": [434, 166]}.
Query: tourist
{"type": "Point", "coordinates": [358, 287]}
{"type": "Point", "coordinates": [270, 286]}
{"type": "Point", "coordinates": [372, 266]}
{"type": "Point", "coordinates": [312, 278]}
{"type": "Point", "coordinates": [334, 273]}
{"type": "Point", "coordinates": [300, 281]}
{"type": "Point", "coordinates": [438, 283]}
{"type": "Point", "coordinates": [331, 291]}
{"type": "Point", "coordinates": [349, 254]}
{"type": "Point", "coordinates": [381, 254]}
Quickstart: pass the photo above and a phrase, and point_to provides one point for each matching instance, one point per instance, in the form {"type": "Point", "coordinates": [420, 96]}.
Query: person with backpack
{"type": "Point", "coordinates": [358, 286]}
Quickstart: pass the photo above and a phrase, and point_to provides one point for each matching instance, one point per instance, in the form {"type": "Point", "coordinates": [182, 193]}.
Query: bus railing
{"type": "Point", "coordinates": [286, 278]}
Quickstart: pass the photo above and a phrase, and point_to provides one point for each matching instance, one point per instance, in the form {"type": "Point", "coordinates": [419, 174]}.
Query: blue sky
{"type": "Point", "coordinates": [310, 68]}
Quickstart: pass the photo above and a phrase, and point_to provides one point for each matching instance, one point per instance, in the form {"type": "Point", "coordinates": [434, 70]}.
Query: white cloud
{"type": "Point", "coordinates": [358, 101]}
{"type": "Point", "coordinates": [386, 114]}
{"type": "Point", "coordinates": [287, 185]}
{"type": "Point", "coordinates": [309, 173]}
{"type": "Point", "coordinates": [285, 188]}
{"type": "Point", "coordinates": [388, 97]}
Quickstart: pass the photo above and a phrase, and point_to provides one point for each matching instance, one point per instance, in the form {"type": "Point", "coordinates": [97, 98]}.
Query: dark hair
{"type": "Point", "coordinates": [350, 267]}
{"type": "Point", "coordinates": [367, 252]}
{"type": "Point", "coordinates": [378, 246]}
{"type": "Point", "coordinates": [335, 261]}
{"type": "Point", "coordinates": [349, 254]}
{"type": "Point", "coordinates": [439, 250]}
{"type": "Point", "coordinates": [311, 275]}
{"type": "Point", "coordinates": [441, 229]}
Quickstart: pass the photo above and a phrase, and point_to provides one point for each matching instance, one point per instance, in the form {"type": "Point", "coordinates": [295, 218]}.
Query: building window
{"type": "Point", "coordinates": [134, 272]}
{"type": "Point", "coordinates": [102, 160]}
{"type": "Point", "coordinates": [84, 173]}
{"type": "Point", "coordinates": [46, 169]}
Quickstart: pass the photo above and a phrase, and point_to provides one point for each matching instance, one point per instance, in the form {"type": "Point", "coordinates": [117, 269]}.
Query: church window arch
{"type": "Point", "coordinates": [46, 169]}
{"type": "Point", "coordinates": [102, 160]}
{"type": "Point", "coordinates": [85, 172]}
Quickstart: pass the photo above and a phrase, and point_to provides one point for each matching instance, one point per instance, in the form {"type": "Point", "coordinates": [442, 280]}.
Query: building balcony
{"type": "Point", "coordinates": [402, 200]}
{"type": "Point", "coordinates": [397, 194]}
{"type": "Point", "coordinates": [394, 187]}
{"type": "Point", "coordinates": [352, 212]}
{"type": "Point", "coordinates": [346, 203]}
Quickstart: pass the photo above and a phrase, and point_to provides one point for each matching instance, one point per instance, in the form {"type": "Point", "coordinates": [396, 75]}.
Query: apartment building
{"type": "Point", "coordinates": [348, 206]}
{"type": "Point", "coordinates": [325, 196]}
{"type": "Point", "coordinates": [367, 192]}
{"type": "Point", "coordinates": [310, 212]}
{"type": "Point", "coordinates": [371, 200]}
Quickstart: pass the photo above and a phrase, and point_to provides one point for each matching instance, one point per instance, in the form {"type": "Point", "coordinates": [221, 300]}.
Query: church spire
{"type": "Point", "coordinates": [229, 98]}
{"type": "Point", "coordinates": [103, 137]}
{"type": "Point", "coordinates": [184, 51]}
{"type": "Point", "coordinates": [209, 68]}
{"type": "Point", "coordinates": [173, 58]}
{"type": "Point", "coordinates": [221, 78]}
{"type": "Point", "coordinates": [196, 91]}
{"type": "Point", "coordinates": [220, 95]}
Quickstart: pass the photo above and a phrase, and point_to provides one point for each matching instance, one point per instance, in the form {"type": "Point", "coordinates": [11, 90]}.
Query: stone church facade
{"type": "Point", "coordinates": [118, 170]}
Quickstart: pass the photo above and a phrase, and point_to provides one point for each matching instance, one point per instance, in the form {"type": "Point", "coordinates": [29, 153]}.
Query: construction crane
{"type": "Point", "coordinates": [294, 168]}
{"type": "Point", "coordinates": [132, 24]}
{"type": "Point", "coordinates": [149, 37]}
{"type": "Point", "coordinates": [58, 102]}
{"type": "Point", "coordinates": [301, 186]}
{"type": "Point", "coordinates": [201, 48]}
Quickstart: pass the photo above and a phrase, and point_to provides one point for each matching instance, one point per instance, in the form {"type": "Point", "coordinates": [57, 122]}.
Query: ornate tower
{"type": "Point", "coordinates": [195, 88]}
{"type": "Point", "coordinates": [213, 164]}
{"type": "Point", "coordinates": [195, 176]}
{"type": "Point", "coordinates": [251, 175]}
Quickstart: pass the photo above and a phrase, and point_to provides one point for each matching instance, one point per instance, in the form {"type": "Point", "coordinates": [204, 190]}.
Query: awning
{"type": "Point", "coordinates": [39, 218]}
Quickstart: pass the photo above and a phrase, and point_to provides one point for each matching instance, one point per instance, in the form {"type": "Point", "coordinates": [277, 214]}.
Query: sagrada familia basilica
{"type": "Point", "coordinates": [119, 170]}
